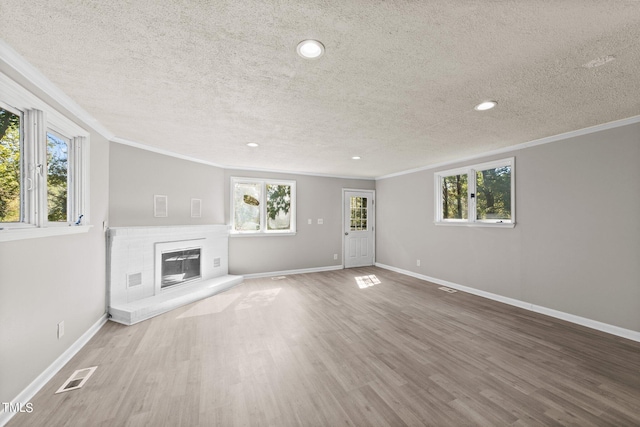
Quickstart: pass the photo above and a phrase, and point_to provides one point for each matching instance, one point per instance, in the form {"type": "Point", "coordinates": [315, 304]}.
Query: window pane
{"type": "Point", "coordinates": [278, 207]}
{"type": "Point", "coordinates": [9, 167]}
{"type": "Point", "coordinates": [493, 198]}
{"type": "Point", "coordinates": [57, 177]}
{"type": "Point", "coordinates": [246, 202]}
{"type": "Point", "coordinates": [358, 213]}
{"type": "Point", "coordinates": [454, 197]}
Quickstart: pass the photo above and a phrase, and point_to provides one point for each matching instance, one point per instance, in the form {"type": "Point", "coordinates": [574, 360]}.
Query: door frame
{"type": "Point", "coordinates": [371, 220]}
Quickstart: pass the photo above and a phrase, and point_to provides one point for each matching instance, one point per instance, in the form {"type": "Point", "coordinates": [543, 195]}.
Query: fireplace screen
{"type": "Point", "coordinates": [179, 266]}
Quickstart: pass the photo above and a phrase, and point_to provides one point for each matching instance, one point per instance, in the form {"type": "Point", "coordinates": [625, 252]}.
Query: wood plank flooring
{"type": "Point", "coordinates": [319, 350]}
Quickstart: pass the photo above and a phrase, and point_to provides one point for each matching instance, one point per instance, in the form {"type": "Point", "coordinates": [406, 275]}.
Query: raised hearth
{"type": "Point", "coordinates": [152, 270]}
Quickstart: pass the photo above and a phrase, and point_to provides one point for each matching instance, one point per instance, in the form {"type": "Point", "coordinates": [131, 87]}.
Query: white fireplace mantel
{"type": "Point", "coordinates": [132, 292]}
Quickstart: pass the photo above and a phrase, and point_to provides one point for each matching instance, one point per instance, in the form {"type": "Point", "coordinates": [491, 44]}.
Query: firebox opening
{"type": "Point", "coordinates": [179, 266]}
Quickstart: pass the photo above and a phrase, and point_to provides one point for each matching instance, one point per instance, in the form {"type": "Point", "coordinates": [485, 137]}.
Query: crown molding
{"type": "Point", "coordinates": [169, 153]}
{"type": "Point", "coordinates": [162, 151]}
{"type": "Point", "coordinates": [321, 175]}
{"type": "Point", "coordinates": [15, 61]}
{"type": "Point", "coordinates": [20, 65]}
{"type": "Point", "coordinates": [511, 148]}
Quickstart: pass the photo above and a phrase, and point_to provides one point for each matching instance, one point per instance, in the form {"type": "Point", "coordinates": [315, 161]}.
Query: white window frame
{"type": "Point", "coordinates": [470, 171]}
{"type": "Point", "coordinates": [263, 207]}
{"type": "Point", "coordinates": [38, 118]}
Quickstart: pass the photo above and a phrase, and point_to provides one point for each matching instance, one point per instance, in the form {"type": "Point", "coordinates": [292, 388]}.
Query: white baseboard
{"type": "Point", "coordinates": [583, 321]}
{"type": "Point", "coordinates": [288, 272]}
{"type": "Point", "coordinates": [27, 394]}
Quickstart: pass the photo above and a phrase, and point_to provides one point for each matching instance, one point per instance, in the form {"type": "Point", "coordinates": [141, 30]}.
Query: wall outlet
{"type": "Point", "coordinates": [309, 221]}
{"type": "Point", "coordinates": [418, 262]}
{"type": "Point", "coordinates": [60, 329]}
{"type": "Point", "coordinates": [320, 221]}
{"type": "Point", "coordinates": [335, 256]}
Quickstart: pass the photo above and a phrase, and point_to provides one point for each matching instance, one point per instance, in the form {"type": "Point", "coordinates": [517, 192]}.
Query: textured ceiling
{"type": "Point", "coordinates": [396, 86]}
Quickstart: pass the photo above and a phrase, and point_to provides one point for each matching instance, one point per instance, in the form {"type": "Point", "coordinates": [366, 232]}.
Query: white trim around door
{"type": "Point", "coordinates": [358, 227]}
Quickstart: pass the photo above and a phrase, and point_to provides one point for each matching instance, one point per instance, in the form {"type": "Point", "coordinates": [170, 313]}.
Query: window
{"type": "Point", "coordinates": [10, 177]}
{"type": "Point", "coordinates": [42, 167]}
{"type": "Point", "coordinates": [482, 194]}
{"type": "Point", "coordinates": [358, 213]}
{"type": "Point", "coordinates": [454, 197]}
{"type": "Point", "coordinates": [57, 177]}
{"type": "Point", "coordinates": [262, 206]}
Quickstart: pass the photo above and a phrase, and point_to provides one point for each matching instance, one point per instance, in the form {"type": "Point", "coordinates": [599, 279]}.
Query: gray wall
{"type": "Point", "coordinates": [47, 280]}
{"type": "Point", "coordinates": [576, 245]}
{"type": "Point", "coordinates": [313, 245]}
{"type": "Point", "coordinates": [137, 175]}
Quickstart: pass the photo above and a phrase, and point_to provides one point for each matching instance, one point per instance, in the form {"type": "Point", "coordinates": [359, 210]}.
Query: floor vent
{"type": "Point", "coordinates": [77, 379]}
{"type": "Point", "coordinates": [278, 277]}
{"type": "Point", "coordinates": [451, 291]}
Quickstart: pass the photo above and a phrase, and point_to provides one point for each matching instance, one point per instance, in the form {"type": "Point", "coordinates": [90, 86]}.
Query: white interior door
{"type": "Point", "coordinates": [359, 228]}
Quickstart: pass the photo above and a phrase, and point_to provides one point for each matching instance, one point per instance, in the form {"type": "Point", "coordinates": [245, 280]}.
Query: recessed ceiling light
{"type": "Point", "coordinates": [356, 158]}
{"type": "Point", "coordinates": [252, 144]}
{"type": "Point", "coordinates": [486, 105]}
{"type": "Point", "coordinates": [310, 49]}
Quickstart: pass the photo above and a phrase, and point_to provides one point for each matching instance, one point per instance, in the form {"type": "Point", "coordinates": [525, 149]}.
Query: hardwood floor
{"type": "Point", "coordinates": [319, 350]}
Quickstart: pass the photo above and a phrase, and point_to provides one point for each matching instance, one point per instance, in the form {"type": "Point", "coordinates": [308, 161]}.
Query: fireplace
{"type": "Point", "coordinates": [153, 270]}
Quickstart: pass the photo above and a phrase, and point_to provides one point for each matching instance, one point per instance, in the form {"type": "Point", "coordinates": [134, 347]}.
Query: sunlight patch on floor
{"type": "Point", "coordinates": [367, 281]}
{"type": "Point", "coordinates": [211, 305]}
{"type": "Point", "coordinates": [258, 299]}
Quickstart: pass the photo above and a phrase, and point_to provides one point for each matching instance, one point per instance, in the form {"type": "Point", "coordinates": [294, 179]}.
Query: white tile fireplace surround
{"type": "Point", "coordinates": [138, 288]}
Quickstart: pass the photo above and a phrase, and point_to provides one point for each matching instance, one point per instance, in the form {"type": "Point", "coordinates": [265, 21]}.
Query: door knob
{"type": "Point", "coordinates": [346, 233]}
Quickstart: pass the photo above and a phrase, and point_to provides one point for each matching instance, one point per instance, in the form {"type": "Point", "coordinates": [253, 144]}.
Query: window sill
{"type": "Point", "coordinates": [232, 234]}
{"type": "Point", "coordinates": [11, 234]}
{"type": "Point", "coordinates": [477, 224]}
